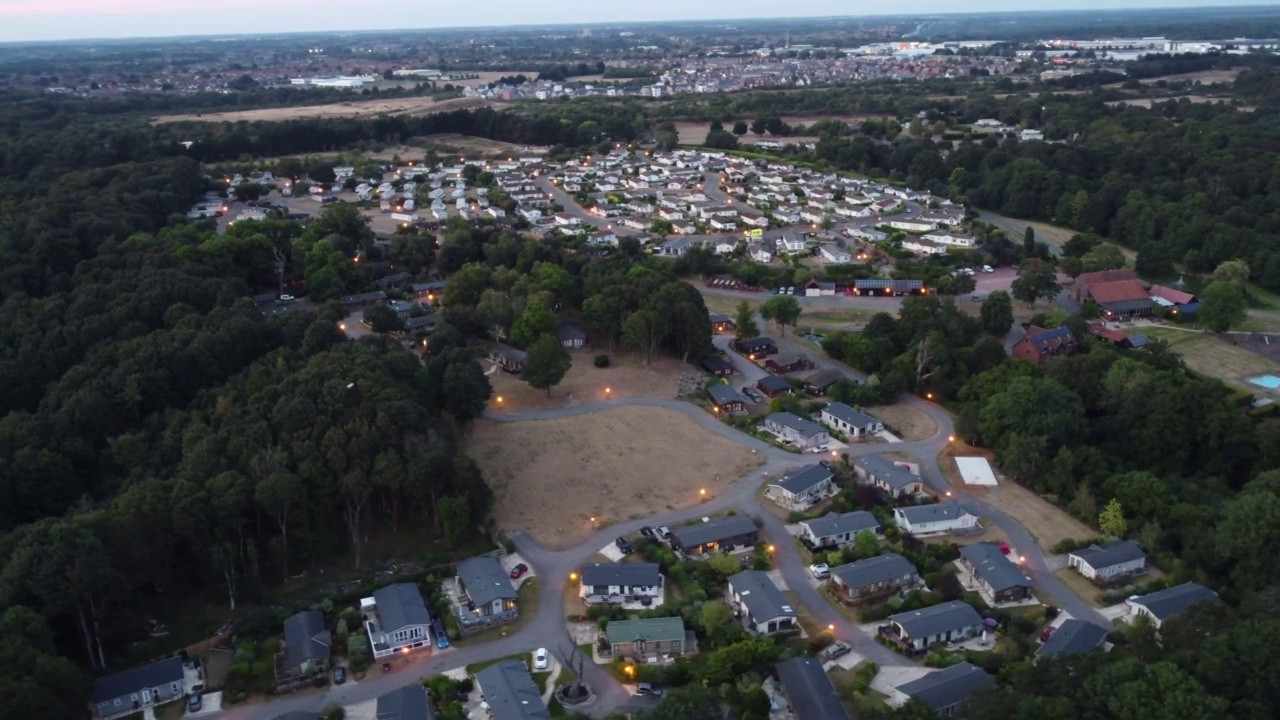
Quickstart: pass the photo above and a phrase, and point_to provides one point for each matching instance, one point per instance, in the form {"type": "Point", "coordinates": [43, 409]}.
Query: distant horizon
{"type": "Point", "coordinates": [60, 21]}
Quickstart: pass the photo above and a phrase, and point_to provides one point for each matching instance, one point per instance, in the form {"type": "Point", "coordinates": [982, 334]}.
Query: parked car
{"type": "Point", "coordinates": [818, 449]}
{"type": "Point", "coordinates": [195, 702]}
{"type": "Point", "coordinates": [664, 532]}
{"type": "Point", "coordinates": [648, 689]}
{"type": "Point", "coordinates": [791, 291]}
{"type": "Point", "coordinates": [540, 660]}
{"type": "Point", "coordinates": [519, 570]}
{"type": "Point", "coordinates": [822, 571]}
{"type": "Point", "coordinates": [287, 298]}
{"type": "Point", "coordinates": [624, 545]}
{"type": "Point", "coordinates": [648, 533]}
{"type": "Point", "coordinates": [837, 650]}
{"type": "Point", "coordinates": [1047, 633]}
{"type": "Point", "coordinates": [339, 675]}
{"type": "Point", "coordinates": [988, 269]}
{"type": "Point", "coordinates": [752, 395]}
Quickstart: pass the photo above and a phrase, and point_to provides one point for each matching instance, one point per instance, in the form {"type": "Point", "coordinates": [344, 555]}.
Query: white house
{"type": "Point", "coordinates": [1115, 559]}
{"type": "Point", "coordinates": [921, 246]}
{"type": "Point", "coordinates": [1166, 604]}
{"type": "Point", "coordinates": [894, 479]}
{"type": "Point", "coordinates": [604, 237]}
{"type": "Point", "coordinates": [833, 531]}
{"type": "Point", "coordinates": [760, 254]}
{"type": "Point", "coordinates": [953, 239]}
{"type": "Point", "coordinates": [759, 604]}
{"type": "Point", "coordinates": [802, 489]}
{"type": "Point", "coordinates": [835, 255]}
{"type": "Point", "coordinates": [791, 243]}
{"type": "Point", "coordinates": [616, 582]}
{"type": "Point", "coordinates": [869, 234]}
{"type": "Point", "coordinates": [565, 219]}
{"type": "Point", "coordinates": [802, 433]}
{"type": "Point", "coordinates": [396, 619]}
{"type": "Point", "coordinates": [812, 215]}
{"type": "Point", "coordinates": [934, 519]}
{"type": "Point", "coordinates": [853, 423]}
{"type": "Point", "coordinates": [722, 225]}
{"type": "Point", "coordinates": [911, 224]}
{"type": "Point", "coordinates": [725, 247]}
{"type": "Point", "coordinates": [683, 227]}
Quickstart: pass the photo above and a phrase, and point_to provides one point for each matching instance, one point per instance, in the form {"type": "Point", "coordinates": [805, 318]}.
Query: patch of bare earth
{"type": "Point", "coordinates": [551, 477]}
{"type": "Point", "coordinates": [907, 422]}
{"type": "Point", "coordinates": [352, 109]}
{"type": "Point", "coordinates": [625, 377]}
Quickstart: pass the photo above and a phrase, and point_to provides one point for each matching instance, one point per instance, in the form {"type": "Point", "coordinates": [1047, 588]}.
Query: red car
{"type": "Point", "coordinates": [518, 571]}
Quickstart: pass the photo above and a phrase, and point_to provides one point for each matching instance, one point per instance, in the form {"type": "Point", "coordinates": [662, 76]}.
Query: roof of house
{"type": "Point", "coordinates": [305, 638]}
{"type": "Point", "coordinates": [937, 619]}
{"type": "Point", "coordinates": [993, 566]}
{"type": "Point", "coordinates": [887, 471]}
{"type": "Point", "coordinates": [400, 605]}
{"type": "Point", "coordinates": [1049, 339]}
{"type": "Point", "coordinates": [806, 428]}
{"type": "Point", "coordinates": [1177, 297]}
{"type": "Point", "coordinates": [810, 477]}
{"type": "Point", "coordinates": [824, 378]}
{"type": "Point", "coordinates": [948, 687]}
{"type": "Point", "coordinates": [157, 674]}
{"type": "Point", "coordinates": [713, 530]}
{"type": "Point", "coordinates": [570, 330]}
{"type": "Point", "coordinates": [724, 394]}
{"type": "Point", "coordinates": [882, 283]}
{"type": "Point", "coordinates": [624, 574]}
{"type": "Point", "coordinates": [763, 599]}
{"type": "Point", "coordinates": [937, 512]}
{"type": "Point", "coordinates": [1104, 276]}
{"type": "Point", "coordinates": [485, 580]}
{"type": "Point", "coordinates": [510, 692]}
{"type": "Point", "coordinates": [1176, 600]}
{"type": "Point", "coordinates": [833, 250]}
{"type": "Point", "coordinates": [664, 629]}
{"type": "Point", "coordinates": [509, 353]}
{"type": "Point", "coordinates": [844, 413]}
{"type": "Point", "coordinates": [851, 522]}
{"type": "Point", "coordinates": [1127, 305]}
{"type": "Point", "coordinates": [772, 384]}
{"type": "Point", "coordinates": [784, 359]}
{"type": "Point", "coordinates": [1073, 637]}
{"type": "Point", "coordinates": [719, 318]}
{"type": "Point", "coordinates": [716, 365]}
{"type": "Point", "coordinates": [1109, 554]}
{"type": "Point", "coordinates": [407, 703]}
{"type": "Point", "coordinates": [873, 570]}
{"type": "Point", "coordinates": [756, 343]}
{"type": "Point", "coordinates": [1117, 291]}
{"type": "Point", "coordinates": [809, 690]}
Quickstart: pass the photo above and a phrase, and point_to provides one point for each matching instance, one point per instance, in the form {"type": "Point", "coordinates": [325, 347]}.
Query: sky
{"type": "Point", "coordinates": [28, 20]}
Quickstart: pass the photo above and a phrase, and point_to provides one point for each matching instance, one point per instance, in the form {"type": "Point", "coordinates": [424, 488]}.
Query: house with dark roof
{"type": "Point", "coordinates": [486, 596]}
{"type": "Point", "coordinates": [510, 692]}
{"type": "Point", "coordinates": [396, 280]}
{"type": "Point", "coordinates": [307, 644]}
{"type": "Point", "coordinates": [510, 359]}
{"type": "Point", "coordinates": [396, 619]}
{"type": "Point", "coordinates": [835, 531]}
{"type": "Point", "coordinates": [808, 690]}
{"type": "Point", "coordinates": [717, 366]}
{"type": "Point", "coordinates": [617, 582]}
{"type": "Point", "coordinates": [759, 604]}
{"type": "Point", "coordinates": [571, 335]}
{"type": "Point", "coordinates": [884, 287]}
{"type": "Point", "coordinates": [368, 298]}
{"type": "Point", "coordinates": [784, 363]}
{"type": "Point", "coordinates": [935, 519]}
{"type": "Point", "coordinates": [1169, 603]}
{"type": "Point", "coordinates": [946, 691]}
{"type": "Point", "coordinates": [1109, 562]}
{"type": "Point", "coordinates": [852, 422]}
{"type": "Point", "coordinates": [1039, 345]}
{"type": "Point", "coordinates": [803, 488]}
{"type": "Point", "coordinates": [916, 630]}
{"type": "Point", "coordinates": [796, 430]}
{"type": "Point", "coordinates": [772, 386]}
{"type": "Point", "coordinates": [722, 534]}
{"type": "Point", "coordinates": [874, 577]}
{"type": "Point", "coordinates": [756, 347]}
{"type": "Point", "coordinates": [647, 639]}
{"type": "Point", "coordinates": [995, 573]}
{"type": "Point", "coordinates": [889, 477]}
{"type": "Point", "coordinates": [132, 690]}
{"type": "Point", "coordinates": [407, 703]}
{"type": "Point", "coordinates": [1073, 637]}
{"type": "Point", "coordinates": [721, 324]}
{"type": "Point", "coordinates": [725, 400]}
{"type": "Point", "coordinates": [820, 382]}
{"type": "Point", "coordinates": [430, 293]}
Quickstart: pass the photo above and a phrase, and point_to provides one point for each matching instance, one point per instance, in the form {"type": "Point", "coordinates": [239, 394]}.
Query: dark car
{"type": "Point", "coordinates": [649, 533]}
{"type": "Point", "coordinates": [195, 702]}
{"type": "Point", "coordinates": [519, 570]}
{"type": "Point", "coordinates": [339, 675]}
{"type": "Point", "coordinates": [624, 545]}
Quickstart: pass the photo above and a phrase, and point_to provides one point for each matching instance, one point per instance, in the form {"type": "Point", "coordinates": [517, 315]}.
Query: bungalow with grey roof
{"type": "Point", "coordinates": [997, 575]}
{"type": "Point", "coordinates": [820, 382]}
{"type": "Point", "coordinates": [647, 639]}
{"type": "Point", "coordinates": [725, 400]}
{"type": "Point", "coordinates": [850, 421]}
{"type": "Point", "coordinates": [508, 358]}
{"type": "Point", "coordinates": [772, 386]}
{"type": "Point", "coordinates": [1073, 637]}
{"type": "Point", "coordinates": [1109, 562]}
{"type": "Point", "coordinates": [946, 691]}
{"type": "Point", "coordinates": [1163, 605]}
{"type": "Point", "coordinates": [796, 430]}
{"type": "Point", "coordinates": [873, 577]}
{"type": "Point", "coordinates": [801, 489]}
{"type": "Point", "coordinates": [615, 582]}
{"type": "Point", "coordinates": [486, 596]}
{"type": "Point", "coordinates": [131, 690]}
{"type": "Point", "coordinates": [721, 323]}
{"type": "Point", "coordinates": [407, 703]}
{"type": "Point", "coordinates": [935, 519]}
{"type": "Point", "coordinates": [307, 644]}
{"type": "Point", "coordinates": [396, 619]}
{"type": "Point", "coordinates": [759, 604]}
{"type": "Point", "coordinates": [915, 631]}
{"type": "Point", "coordinates": [717, 366]}
{"type": "Point", "coordinates": [808, 690]}
{"type": "Point", "coordinates": [835, 531]}
{"type": "Point", "coordinates": [510, 692]}
{"type": "Point", "coordinates": [722, 534]}
{"type": "Point", "coordinates": [756, 346]}
{"type": "Point", "coordinates": [571, 334]}
{"type": "Point", "coordinates": [890, 477]}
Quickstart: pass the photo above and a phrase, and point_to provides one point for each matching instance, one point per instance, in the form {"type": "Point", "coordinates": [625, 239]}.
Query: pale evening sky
{"type": "Point", "coordinates": [26, 20]}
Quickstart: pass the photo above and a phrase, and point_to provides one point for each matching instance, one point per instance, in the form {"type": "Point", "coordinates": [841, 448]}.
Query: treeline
{"type": "Point", "coordinates": [564, 72]}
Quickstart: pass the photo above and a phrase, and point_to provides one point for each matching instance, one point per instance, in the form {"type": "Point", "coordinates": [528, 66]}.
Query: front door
{"type": "Point", "coordinates": [146, 697]}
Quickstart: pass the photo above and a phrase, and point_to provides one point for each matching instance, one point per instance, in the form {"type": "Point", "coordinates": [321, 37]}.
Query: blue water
{"type": "Point", "coordinates": [1270, 382]}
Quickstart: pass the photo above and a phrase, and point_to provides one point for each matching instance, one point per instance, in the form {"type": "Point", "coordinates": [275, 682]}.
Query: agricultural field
{"type": "Point", "coordinates": [352, 109]}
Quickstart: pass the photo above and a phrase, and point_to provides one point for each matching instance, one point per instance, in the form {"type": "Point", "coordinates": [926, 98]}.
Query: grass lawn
{"type": "Point", "coordinates": [171, 711]}
{"type": "Point", "coordinates": [1079, 585]}
{"type": "Point", "coordinates": [1210, 355]}
{"type": "Point", "coordinates": [526, 600]}
{"type": "Point", "coordinates": [540, 679]}
{"type": "Point", "coordinates": [853, 701]}
{"type": "Point", "coordinates": [474, 668]}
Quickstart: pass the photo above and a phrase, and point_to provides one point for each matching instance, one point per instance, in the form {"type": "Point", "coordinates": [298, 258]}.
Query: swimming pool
{"type": "Point", "coordinates": [1270, 382]}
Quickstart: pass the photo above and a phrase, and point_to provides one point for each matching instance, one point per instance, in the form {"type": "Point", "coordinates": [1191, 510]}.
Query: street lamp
{"type": "Point", "coordinates": [951, 438]}
{"type": "Point", "coordinates": [499, 399]}
{"type": "Point", "coordinates": [608, 391]}
{"type": "Point", "coordinates": [769, 549]}
{"type": "Point", "coordinates": [573, 576]}
{"type": "Point", "coordinates": [928, 396]}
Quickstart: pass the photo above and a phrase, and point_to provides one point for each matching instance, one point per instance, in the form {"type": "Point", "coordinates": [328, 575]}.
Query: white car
{"type": "Point", "coordinates": [287, 298]}
{"type": "Point", "coordinates": [820, 570]}
{"type": "Point", "coordinates": [540, 659]}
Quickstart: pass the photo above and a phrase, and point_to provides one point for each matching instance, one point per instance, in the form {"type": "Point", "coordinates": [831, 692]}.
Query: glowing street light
{"type": "Point", "coordinates": [928, 396]}
{"type": "Point", "coordinates": [499, 399]}
{"type": "Point", "coordinates": [342, 326]}
{"type": "Point", "coordinates": [573, 576]}
{"type": "Point", "coordinates": [608, 391]}
{"type": "Point", "coordinates": [769, 549]}
{"type": "Point", "coordinates": [951, 438]}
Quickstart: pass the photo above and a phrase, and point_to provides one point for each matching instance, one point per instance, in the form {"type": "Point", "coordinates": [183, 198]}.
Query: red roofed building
{"type": "Point", "coordinates": [1039, 344]}
{"type": "Point", "coordinates": [1121, 298]}
{"type": "Point", "coordinates": [1175, 300]}
{"type": "Point", "coordinates": [1080, 290]}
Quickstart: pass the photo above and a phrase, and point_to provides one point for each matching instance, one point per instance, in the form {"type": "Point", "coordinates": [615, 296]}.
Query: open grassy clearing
{"type": "Point", "coordinates": [550, 477]}
{"type": "Point", "coordinates": [625, 377]}
{"type": "Point", "coordinates": [348, 109]}
{"type": "Point", "coordinates": [910, 423]}
{"type": "Point", "coordinates": [1216, 356]}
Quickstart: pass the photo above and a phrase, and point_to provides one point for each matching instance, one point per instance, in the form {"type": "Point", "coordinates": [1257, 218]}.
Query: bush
{"type": "Point", "coordinates": [1071, 545]}
{"type": "Point", "coordinates": [602, 361]}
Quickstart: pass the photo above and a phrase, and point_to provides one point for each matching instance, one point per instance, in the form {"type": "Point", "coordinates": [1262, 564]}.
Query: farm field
{"type": "Point", "coordinates": [550, 477]}
{"type": "Point", "coordinates": [352, 109]}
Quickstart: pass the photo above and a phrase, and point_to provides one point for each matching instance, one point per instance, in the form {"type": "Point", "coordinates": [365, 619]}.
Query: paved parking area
{"type": "Point", "coordinates": [510, 561]}
{"type": "Point", "coordinates": [210, 703]}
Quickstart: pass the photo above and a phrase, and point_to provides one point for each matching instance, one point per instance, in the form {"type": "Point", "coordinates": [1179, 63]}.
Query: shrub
{"type": "Point", "coordinates": [602, 361]}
